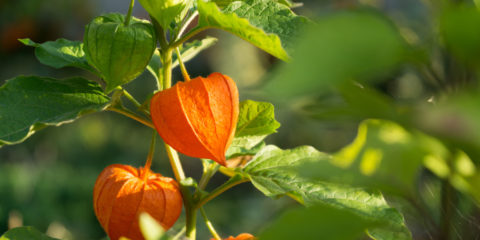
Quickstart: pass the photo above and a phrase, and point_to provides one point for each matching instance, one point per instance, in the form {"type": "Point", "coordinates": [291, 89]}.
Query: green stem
{"type": "Point", "coordinates": [187, 23]}
{"type": "Point", "coordinates": [179, 234]}
{"type": "Point", "coordinates": [131, 115]}
{"type": "Point", "coordinates": [189, 35]}
{"type": "Point", "coordinates": [208, 172]}
{"type": "Point", "coordinates": [234, 181]}
{"type": "Point", "coordinates": [209, 225]}
{"type": "Point", "coordinates": [151, 151]}
{"type": "Point", "coordinates": [190, 212]}
{"type": "Point", "coordinates": [175, 162]}
{"type": "Point", "coordinates": [131, 98]}
{"type": "Point", "coordinates": [129, 14]}
{"type": "Point", "coordinates": [167, 68]}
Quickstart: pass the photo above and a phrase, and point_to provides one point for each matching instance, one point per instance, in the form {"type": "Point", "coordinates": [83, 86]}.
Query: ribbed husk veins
{"type": "Point", "coordinates": [122, 192]}
{"type": "Point", "coordinates": [198, 118]}
{"type": "Point", "coordinates": [119, 52]}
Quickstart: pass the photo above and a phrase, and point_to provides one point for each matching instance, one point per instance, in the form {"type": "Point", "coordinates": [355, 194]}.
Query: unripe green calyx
{"type": "Point", "coordinates": [167, 11]}
{"type": "Point", "coordinates": [119, 52]}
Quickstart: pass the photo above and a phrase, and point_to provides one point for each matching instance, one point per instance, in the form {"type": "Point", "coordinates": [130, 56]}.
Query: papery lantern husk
{"type": "Point", "coordinates": [198, 118]}
{"type": "Point", "coordinates": [242, 236]}
{"type": "Point", "coordinates": [122, 193]}
{"type": "Point", "coordinates": [119, 52]}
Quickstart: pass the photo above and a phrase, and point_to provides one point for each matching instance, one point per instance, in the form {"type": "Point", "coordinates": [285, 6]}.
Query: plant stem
{"type": "Point", "coordinates": [167, 68]}
{"type": "Point", "coordinates": [129, 14]}
{"type": "Point", "coordinates": [234, 181]}
{"type": "Point", "coordinates": [131, 98]}
{"type": "Point", "coordinates": [179, 234]}
{"type": "Point", "coordinates": [189, 35]}
{"type": "Point", "coordinates": [190, 212]}
{"type": "Point", "coordinates": [187, 23]}
{"type": "Point", "coordinates": [186, 77]}
{"type": "Point", "coordinates": [208, 172]}
{"type": "Point", "coordinates": [175, 162]}
{"type": "Point", "coordinates": [209, 225]}
{"type": "Point", "coordinates": [131, 115]}
{"type": "Point", "coordinates": [151, 151]}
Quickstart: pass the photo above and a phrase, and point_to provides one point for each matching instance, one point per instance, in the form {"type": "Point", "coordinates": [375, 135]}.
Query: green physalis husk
{"type": "Point", "coordinates": [119, 52]}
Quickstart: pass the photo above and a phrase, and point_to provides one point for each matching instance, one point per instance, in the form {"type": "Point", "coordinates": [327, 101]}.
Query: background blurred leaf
{"type": "Point", "coordinates": [318, 222]}
{"type": "Point", "coordinates": [151, 229]}
{"type": "Point", "coordinates": [276, 172]}
{"type": "Point", "coordinates": [29, 103]}
{"type": "Point", "coordinates": [25, 233]}
{"type": "Point", "coordinates": [383, 155]}
{"type": "Point", "coordinates": [60, 53]}
{"type": "Point", "coordinates": [355, 45]}
{"type": "Point", "coordinates": [459, 27]}
{"type": "Point", "coordinates": [356, 102]}
{"type": "Point", "coordinates": [256, 120]}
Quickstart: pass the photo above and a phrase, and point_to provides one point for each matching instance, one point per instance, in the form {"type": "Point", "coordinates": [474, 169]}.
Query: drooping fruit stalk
{"type": "Point", "coordinates": [198, 118]}
{"type": "Point", "coordinates": [122, 192]}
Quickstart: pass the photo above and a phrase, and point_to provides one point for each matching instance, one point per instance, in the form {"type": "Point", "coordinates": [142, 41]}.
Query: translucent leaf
{"type": "Point", "coordinates": [242, 18]}
{"type": "Point", "coordinates": [60, 53]}
{"type": "Point", "coordinates": [256, 120]}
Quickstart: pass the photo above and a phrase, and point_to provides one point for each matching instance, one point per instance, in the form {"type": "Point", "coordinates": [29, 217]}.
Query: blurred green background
{"type": "Point", "coordinates": [47, 181]}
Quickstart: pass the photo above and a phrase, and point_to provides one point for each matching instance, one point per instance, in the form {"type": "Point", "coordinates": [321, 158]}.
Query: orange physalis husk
{"type": "Point", "coordinates": [122, 193]}
{"type": "Point", "coordinates": [198, 118]}
{"type": "Point", "coordinates": [242, 236]}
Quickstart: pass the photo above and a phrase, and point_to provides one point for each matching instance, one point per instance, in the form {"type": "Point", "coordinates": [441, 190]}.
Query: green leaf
{"type": "Point", "coordinates": [119, 52]}
{"type": "Point", "coordinates": [256, 120]}
{"type": "Point", "coordinates": [271, 17]}
{"type": "Point", "coordinates": [318, 222]}
{"type": "Point", "coordinates": [28, 103]}
{"type": "Point", "coordinates": [167, 11]}
{"type": "Point", "coordinates": [329, 53]}
{"type": "Point", "coordinates": [277, 172]}
{"type": "Point", "coordinates": [60, 53]}
{"type": "Point", "coordinates": [256, 31]}
{"type": "Point", "coordinates": [21, 233]}
{"type": "Point", "coordinates": [188, 52]}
